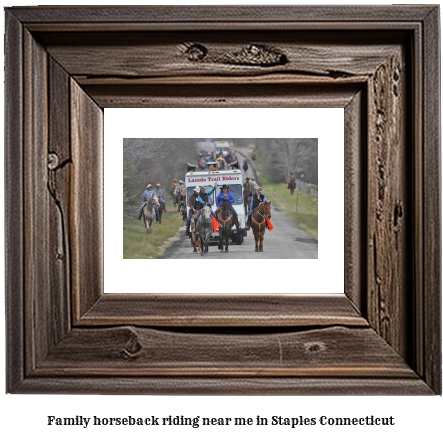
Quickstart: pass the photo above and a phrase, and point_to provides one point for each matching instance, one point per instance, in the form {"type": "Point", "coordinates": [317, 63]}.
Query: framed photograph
{"type": "Point", "coordinates": [380, 335]}
{"type": "Point", "coordinates": [290, 254]}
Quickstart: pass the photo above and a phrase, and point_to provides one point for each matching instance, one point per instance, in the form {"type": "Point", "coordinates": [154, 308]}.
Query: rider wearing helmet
{"type": "Point", "coordinates": [226, 194]}
{"type": "Point", "coordinates": [256, 200]}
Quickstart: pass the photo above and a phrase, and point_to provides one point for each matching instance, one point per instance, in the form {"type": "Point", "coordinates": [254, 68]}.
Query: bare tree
{"type": "Point", "coordinates": [282, 156]}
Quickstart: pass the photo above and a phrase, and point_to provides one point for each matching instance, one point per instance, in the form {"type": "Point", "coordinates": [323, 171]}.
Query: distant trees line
{"type": "Point", "coordinates": [281, 156]}
{"type": "Point", "coordinates": [151, 161]}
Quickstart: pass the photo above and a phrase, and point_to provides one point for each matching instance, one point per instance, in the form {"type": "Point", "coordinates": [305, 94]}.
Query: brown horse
{"type": "Point", "coordinates": [160, 211]}
{"type": "Point", "coordinates": [258, 225]}
{"type": "Point", "coordinates": [226, 220]}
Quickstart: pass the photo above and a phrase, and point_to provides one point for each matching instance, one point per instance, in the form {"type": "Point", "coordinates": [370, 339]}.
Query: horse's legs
{"type": "Point", "coordinates": [262, 235]}
{"type": "Point", "coordinates": [220, 243]}
{"type": "Point", "coordinates": [202, 243]}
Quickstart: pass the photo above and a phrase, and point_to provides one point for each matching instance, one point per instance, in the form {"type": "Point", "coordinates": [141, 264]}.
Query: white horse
{"type": "Point", "coordinates": [204, 228]}
{"type": "Point", "coordinates": [149, 212]}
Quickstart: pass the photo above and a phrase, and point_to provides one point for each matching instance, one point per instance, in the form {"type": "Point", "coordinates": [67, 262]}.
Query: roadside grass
{"type": "Point", "coordinates": [137, 244]}
{"type": "Point", "coordinates": [299, 207]}
{"type": "Point", "coordinates": [305, 212]}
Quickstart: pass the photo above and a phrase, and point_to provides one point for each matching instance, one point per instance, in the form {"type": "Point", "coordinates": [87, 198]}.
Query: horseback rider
{"type": "Point", "coordinates": [195, 205]}
{"type": "Point", "coordinates": [174, 185]}
{"type": "Point", "coordinates": [256, 200]}
{"type": "Point", "coordinates": [196, 202]}
{"type": "Point", "coordinates": [178, 192]}
{"type": "Point", "coordinates": [158, 191]}
{"type": "Point", "coordinates": [247, 186]}
{"type": "Point", "coordinates": [225, 194]}
{"type": "Point", "coordinates": [205, 195]}
{"type": "Point", "coordinates": [146, 197]}
{"type": "Point", "coordinates": [253, 185]}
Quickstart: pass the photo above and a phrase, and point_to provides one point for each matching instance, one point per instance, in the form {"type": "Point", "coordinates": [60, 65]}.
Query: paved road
{"type": "Point", "coordinates": [285, 241]}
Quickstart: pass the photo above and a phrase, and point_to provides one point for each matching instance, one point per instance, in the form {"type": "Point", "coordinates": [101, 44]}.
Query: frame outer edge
{"type": "Point", "coordinates": [14, 283]}
{"type": "Point", "coordinates": [432, 202]}
{"type": "Point", "coordinates": [14, 233]}
{"type": "Point", "coordinates": [220, 13]}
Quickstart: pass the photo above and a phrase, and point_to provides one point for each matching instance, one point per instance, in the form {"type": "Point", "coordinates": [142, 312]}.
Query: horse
{"type": "Point", "coordinates": [176, 200]}
{"type": "Point", "coordinates": [194, 236]}
{"type": "Point", "coordinates": [225, 218]}
{"type": "Point", "coordinates": [258, 225]}
{"type": "Point", "coordinates": [160, 211]}
{"type": "Point", "coordinates": [204, 228]}
{"type": "Point", "coordinates": [173, 197]}
{"type": "Point", "coordinates": [149, 212]}
{"type": "Point", "coordinates": [291, 185]}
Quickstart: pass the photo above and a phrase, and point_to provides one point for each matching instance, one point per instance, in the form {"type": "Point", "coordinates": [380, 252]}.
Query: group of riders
{"type": "Point", "coordinates": [200, 197]}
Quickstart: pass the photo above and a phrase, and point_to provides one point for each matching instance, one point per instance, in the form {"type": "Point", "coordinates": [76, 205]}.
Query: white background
{"type": "Point", "coordinates": [281, 276]}
{"type": "Point", "coordinates": [26, 414]}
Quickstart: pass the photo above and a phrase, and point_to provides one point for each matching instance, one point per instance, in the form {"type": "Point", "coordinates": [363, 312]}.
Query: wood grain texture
{"type": "Point", "coordinates": [86, 221]}
{"type": "Point", "coordinates": [227, 386]}
{"type": "Point", "coordinates": [223, 96]}
{"type": "Point", "coordinates": [170, 54]}
{"type": "Point", "coordinates": [14, 239]}
{"type": "Point", "coordinates": [388, 203]}
{"type": "Point", "coordinates": [59, 167]}
{"type": "Point", "coordinates": [37, 306]}
{"type": "Point", "coordinates": [244, 14]}
{"type": "Point", "coordinates": [432, 205]}
{"type": "Point", "coordinates": [355, 192]}
{"type": "Point", "coordinates": [74, 61]}
{"type": "Point", "coordinates": [129, 351]}
{"type": "Point", "coordinates": [239, 310]}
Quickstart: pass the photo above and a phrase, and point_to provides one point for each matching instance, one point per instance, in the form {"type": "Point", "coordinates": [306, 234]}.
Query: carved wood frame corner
{"type": "Point", "coordinates": [64, 65]}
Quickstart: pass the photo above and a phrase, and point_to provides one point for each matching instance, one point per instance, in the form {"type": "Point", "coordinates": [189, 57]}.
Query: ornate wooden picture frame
{"type": "Point", "coordinates": [65, 64]}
